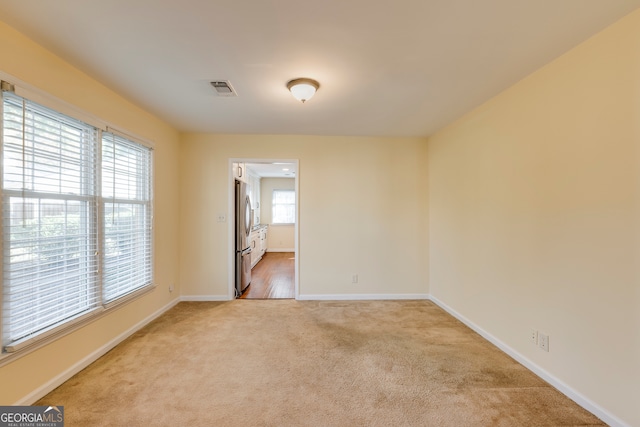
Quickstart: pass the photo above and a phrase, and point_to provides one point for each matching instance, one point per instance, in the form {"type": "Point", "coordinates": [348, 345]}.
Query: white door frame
{"type": "Point", "coordinates": [231, 250]}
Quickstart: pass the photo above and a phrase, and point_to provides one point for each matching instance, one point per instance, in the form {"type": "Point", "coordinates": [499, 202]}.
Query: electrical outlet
{"type": "Point", "coordinates": [171, 287]}
{"type": "Point", "coordinates": [543, 341]}
{"type": "Point", "coordinates": [222, 217]}
{"type": "Point", "coordinates": [354, 278]}
{"type": "Point", "coordinates": [533, 336]}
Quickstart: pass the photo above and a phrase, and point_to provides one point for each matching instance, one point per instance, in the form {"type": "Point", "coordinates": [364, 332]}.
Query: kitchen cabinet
{"type": "Point", "coordinates": [254, 244]}
{"type": "Point", "coordinates": [240, 172]}
{"type": "Point", "coordinates": [263, 240]}
{"type": "Point", "coordinates": [254, 193]}
{"type": "Point", "coordinates": [258, 240]}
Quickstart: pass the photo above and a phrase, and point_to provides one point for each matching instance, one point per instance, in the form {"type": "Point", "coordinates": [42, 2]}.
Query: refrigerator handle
{"type": "Point", "coordinates": [248, 219]}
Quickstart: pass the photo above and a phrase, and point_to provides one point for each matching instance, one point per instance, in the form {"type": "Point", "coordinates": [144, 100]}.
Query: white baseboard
{"type": "Point", "coordinates": [355, 297]}
{"type": "Point", "coordinates": [281, 250]}
{"type": "Point", "coordinates": [205, 298]}
{"type": "Point", "coordinates": [564, 388]}
{"type": "Point", "coordinates": [55, 382]}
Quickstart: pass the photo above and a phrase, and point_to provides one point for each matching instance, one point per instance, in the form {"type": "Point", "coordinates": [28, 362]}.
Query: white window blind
{"type": "Point", "coordinates": [50, 245]}
{"type": "Point", "coordinates": [76, 220]}
{"type": "Point", "coordinates": [283, 205]}
{"type": "Point", "coordinates": [126, 193]}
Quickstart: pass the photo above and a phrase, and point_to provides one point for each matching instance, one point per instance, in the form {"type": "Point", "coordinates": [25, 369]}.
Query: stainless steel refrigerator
{"type": "Point", "coordinates": [243, 229]}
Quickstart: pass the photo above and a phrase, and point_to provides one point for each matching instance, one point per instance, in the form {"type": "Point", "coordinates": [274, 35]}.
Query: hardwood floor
{"type": "Point", "coordinates": [272, 277]}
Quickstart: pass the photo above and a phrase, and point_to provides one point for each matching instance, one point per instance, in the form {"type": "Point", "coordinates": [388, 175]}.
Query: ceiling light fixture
{"type": "Point", "coordinates": [303, 89]}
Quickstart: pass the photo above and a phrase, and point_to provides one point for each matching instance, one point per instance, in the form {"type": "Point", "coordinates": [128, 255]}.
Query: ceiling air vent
{"type": "Point", "coordinates": [223, 88]}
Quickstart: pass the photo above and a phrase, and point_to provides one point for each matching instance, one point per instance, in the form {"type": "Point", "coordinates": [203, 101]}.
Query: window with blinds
{"type": "Point", "coordinates": [76, 211]}
{"type": "Point", "coordinates": [283, 205]}
{"type": "Point", "coordinates": [126, 195]}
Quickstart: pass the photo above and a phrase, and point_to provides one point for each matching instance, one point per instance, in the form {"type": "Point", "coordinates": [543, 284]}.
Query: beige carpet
{"type": "Point", "coordinates": [294, 363]}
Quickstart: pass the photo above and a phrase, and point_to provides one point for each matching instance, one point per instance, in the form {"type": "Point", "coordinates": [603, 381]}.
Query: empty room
{"type": "Point", "coordinates": [348, 213]}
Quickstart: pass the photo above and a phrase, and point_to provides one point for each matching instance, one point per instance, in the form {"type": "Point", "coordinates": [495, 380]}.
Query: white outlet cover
{"type": "Point", "coordinates": [543, 341]}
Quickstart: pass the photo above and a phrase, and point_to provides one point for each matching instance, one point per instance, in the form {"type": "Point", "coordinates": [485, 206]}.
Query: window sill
{"type": "Point", "coordinates": [32, 344]}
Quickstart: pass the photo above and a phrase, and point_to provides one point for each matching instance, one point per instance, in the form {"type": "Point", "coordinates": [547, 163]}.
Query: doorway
{"type": "Point", "coordinates": [272, 187]}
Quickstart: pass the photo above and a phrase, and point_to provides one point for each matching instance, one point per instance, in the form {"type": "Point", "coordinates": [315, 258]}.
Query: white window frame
{"type": "Point", "coordinates": [288, 206]}
{"type": "Point", "coordinates": [50, 332]}
{"type": "Point", "coordinates": [135, 190]}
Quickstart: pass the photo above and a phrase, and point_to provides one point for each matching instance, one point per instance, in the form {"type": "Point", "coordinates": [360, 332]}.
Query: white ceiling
{"type": "Point", "coordinates": [273, 170]}
{"type": "Point", "coordinates": [387, 68]}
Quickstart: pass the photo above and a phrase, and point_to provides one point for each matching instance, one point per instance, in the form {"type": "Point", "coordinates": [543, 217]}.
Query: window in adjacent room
{"type": "Point", "coordinates": [283, 207]}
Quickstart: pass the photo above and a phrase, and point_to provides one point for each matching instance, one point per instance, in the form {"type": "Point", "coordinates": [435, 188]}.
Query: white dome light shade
{"type": "Point", "coordinates": [303, 89]}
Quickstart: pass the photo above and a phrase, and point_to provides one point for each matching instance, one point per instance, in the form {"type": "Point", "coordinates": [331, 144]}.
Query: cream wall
{"type": "Point", "coordinates": [35, 66]}
{"type": "Point", "coordinates": [362, 211]}
{"type": "Point", "coordinates": [531, 201]}
{"type": "Point", "coordinates": [534, 204]}
{"type": "Point", "coordinates": [281, 236]}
